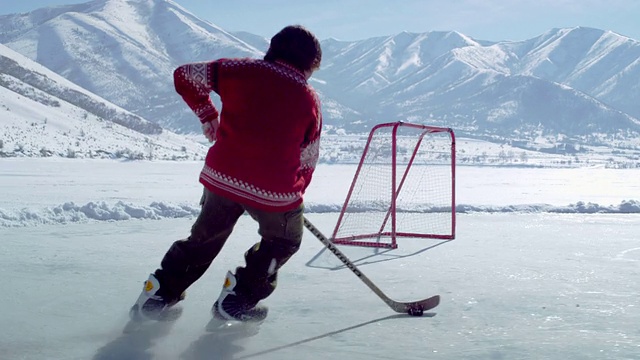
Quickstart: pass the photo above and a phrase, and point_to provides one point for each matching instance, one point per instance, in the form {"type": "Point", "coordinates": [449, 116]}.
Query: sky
{"type": "Point", "coordinates": [359, 19]}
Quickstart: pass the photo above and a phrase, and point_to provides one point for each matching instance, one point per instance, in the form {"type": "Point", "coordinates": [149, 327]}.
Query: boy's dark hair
{"type": "Point", "coordinates": [296, 46]}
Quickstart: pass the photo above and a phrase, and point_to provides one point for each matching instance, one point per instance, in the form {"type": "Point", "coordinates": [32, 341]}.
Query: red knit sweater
{"type": "Point", "coordinates": [269, 135]}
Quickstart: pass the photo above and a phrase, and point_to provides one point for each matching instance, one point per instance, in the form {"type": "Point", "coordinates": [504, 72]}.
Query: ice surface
{"type": "Point", "coordinates": [514, 285]}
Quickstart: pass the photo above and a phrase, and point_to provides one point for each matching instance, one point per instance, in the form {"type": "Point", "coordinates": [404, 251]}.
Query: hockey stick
{"type": "Point", "coordinates": [415, 308]}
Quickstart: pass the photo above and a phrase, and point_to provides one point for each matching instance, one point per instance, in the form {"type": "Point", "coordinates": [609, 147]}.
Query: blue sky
{"type": "Point", "coordinates": [359, 19]}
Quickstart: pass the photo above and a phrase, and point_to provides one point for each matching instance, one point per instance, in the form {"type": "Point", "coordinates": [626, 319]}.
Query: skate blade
{"type": "Point", "coordinates": [233, 328]}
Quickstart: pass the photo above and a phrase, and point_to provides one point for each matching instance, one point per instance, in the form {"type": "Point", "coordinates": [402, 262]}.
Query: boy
{"type": "Point", "coordinates": [266, 148]}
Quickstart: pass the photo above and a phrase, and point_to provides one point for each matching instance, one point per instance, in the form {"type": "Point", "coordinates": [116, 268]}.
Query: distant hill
{"type": "Point", "coordinates": [44, 114]}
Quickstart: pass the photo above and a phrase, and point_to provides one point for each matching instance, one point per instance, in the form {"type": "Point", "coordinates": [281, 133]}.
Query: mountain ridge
{"type": "Point", "coordinates": [46, 115]}
{"type": "Point", "coordinates": [568, 81]}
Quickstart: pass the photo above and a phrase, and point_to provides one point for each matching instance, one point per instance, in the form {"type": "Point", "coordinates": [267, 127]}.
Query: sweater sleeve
{"type": "Point", "coordinates": [194, 82]}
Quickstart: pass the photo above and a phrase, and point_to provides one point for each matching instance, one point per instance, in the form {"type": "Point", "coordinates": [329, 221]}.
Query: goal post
{"type": "Point", "coordinates": [404, 186]}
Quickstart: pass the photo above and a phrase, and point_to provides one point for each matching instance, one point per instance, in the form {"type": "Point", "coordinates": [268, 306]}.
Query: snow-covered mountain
{"type": "Point", "coordinates": [124, 51]}
{"type": "Point", "coordinates": [580, 83]}
{"type": "Point", "coordinates": [570, 81]}
{"type": "Point", "coordinates": [44, 114]}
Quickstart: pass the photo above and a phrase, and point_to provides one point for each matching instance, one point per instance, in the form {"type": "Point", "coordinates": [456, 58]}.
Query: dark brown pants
{"type": "Point", "coordinates": [187, 260]}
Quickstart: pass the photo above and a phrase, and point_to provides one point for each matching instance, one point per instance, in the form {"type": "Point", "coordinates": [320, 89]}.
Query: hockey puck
{"type": "Point", "coordinates": [415, 311]}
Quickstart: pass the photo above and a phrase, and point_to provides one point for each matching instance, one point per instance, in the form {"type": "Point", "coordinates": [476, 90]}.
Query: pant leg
{"type": "Point", "coordinates": [187, 260]}
{"type": "Point", "coordinates": [281, 234]}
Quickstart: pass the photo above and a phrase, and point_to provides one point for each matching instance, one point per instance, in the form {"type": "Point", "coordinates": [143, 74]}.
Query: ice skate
{"type": "Point", "coordinates": [232, 306]}
{"type": "Point", "coordinates": [152, 306]}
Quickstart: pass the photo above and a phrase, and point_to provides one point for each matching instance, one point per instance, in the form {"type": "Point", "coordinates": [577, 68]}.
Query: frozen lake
{"type": "Point", "coordinates": [521, 285]}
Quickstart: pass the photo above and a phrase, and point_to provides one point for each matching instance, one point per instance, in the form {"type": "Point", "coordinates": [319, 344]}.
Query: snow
{"type": "Point", "coordinates": [44, 114]}
{"type": "Point", "coordinates": [57, 195]}
{"type": "Point", "coordinates": [63, 191]}
{"type": "Point", "coordinates": [525, 281]}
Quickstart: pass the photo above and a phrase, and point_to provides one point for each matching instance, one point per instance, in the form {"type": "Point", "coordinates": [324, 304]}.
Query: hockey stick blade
{"type": "Point", "coordinates": [412, 308]}
{"type": "Point", "coordinates": [422, 305]}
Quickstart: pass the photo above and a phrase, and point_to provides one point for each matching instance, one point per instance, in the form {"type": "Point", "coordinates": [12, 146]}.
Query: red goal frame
{"type": "Point", "coordinates": [396, 188]}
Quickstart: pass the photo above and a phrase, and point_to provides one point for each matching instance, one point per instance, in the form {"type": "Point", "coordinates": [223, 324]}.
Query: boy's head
{"type": "Point", "coordinates": [296, 46]}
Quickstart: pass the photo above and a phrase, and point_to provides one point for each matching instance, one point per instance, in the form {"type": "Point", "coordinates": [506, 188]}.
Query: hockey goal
{"type": "Point", "coordinates": [404, 186]}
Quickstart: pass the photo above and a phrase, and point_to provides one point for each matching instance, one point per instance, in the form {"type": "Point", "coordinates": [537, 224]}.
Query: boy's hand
{"type": "Point", "coordinates": [210, 129]}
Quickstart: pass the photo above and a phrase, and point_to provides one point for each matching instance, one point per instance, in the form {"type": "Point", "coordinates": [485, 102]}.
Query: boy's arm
{"type": "Point", "coordinates": [194, 82]}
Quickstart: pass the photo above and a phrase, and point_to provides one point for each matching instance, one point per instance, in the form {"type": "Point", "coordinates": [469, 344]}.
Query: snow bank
{"type": "Point", "coordinates": [625, 207]}
{"type": "Point", "coordinates": [100, 211]}
{"type": "Point", "coordinates": [71, 213]}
